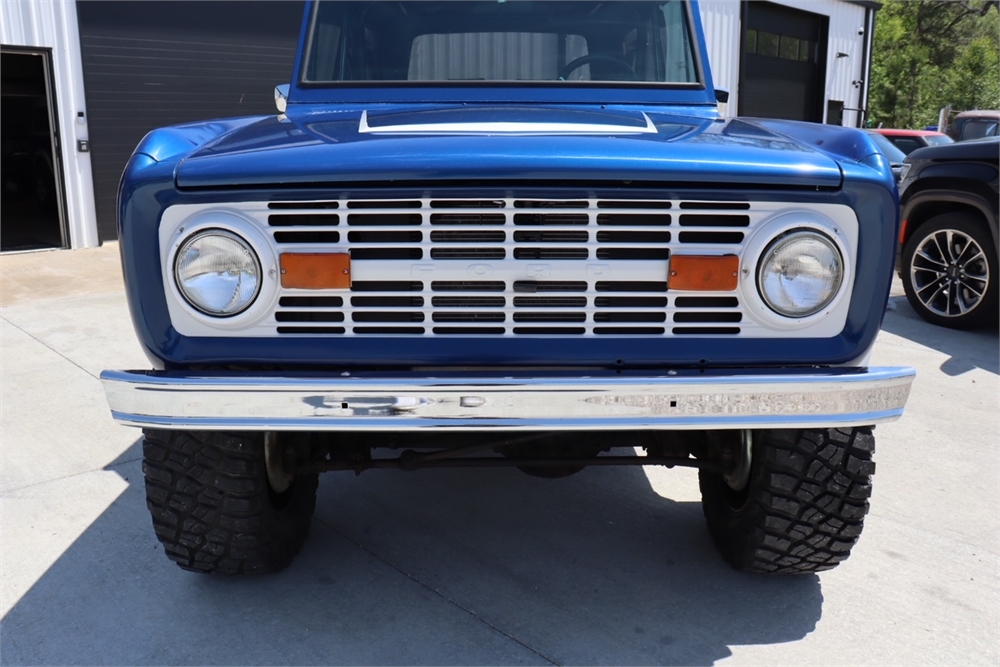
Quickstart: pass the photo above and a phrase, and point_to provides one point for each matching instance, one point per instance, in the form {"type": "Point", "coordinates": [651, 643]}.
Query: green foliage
{"type": "Point", "coordinates": [931, 53]}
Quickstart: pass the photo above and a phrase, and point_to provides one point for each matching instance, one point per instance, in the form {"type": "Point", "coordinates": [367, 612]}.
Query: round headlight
{"type": "Point", "coordinates": [800, 273]}
{"type": "Point", "coordinates": [217, 272]}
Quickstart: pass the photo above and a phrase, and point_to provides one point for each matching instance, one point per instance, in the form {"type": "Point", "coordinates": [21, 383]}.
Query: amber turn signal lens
{"type": "Point", "coordinates": [703, 273]}
{"type": "Point", "coordinates": [316, 270]}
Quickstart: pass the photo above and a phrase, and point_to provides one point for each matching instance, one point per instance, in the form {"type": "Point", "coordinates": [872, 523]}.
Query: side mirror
{"type": "Point", "coordinates": [281, 97]}
{"type": "Point", "coordinates": [722, 100]}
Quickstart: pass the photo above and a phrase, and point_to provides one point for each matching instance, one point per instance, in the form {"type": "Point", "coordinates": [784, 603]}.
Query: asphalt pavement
{"type": "Point", "coordinates": [488, 566]}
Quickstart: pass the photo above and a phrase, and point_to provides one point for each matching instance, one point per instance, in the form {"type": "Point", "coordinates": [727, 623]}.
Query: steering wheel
{"type": "Point", "coordinates": [574, 65]}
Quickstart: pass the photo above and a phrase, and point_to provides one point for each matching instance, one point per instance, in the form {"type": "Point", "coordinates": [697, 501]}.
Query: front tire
{"type": "Point", "coordinates": [802, 507]}
{"type": "Point", "coordinates": [950, 272]}
{"type": "Point", "coordinates": [213, 506]}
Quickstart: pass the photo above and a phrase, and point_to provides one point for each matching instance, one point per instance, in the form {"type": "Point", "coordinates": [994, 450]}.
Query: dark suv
{"type": "Point", "coordinates": [949, 233]}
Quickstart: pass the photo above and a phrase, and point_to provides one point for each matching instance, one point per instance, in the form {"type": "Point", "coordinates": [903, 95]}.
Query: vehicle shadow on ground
{"type": "Point", "coordinates": [967, 350]}
{"type": "Point", "coordinates": [473, 566]}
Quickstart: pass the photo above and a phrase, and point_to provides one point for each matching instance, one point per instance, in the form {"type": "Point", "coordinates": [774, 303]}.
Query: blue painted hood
{"type": "Point", "coordinates": [394, 144]}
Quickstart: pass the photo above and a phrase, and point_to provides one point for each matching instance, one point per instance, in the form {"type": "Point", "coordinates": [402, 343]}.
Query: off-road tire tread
{"type": "Point", "coordinates": [808, 497]}
{"type": "Point", "coordinates": [212, 506]}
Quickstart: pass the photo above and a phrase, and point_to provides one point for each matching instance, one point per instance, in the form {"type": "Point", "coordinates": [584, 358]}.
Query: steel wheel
{"type": "Point", "coordinates": [949, 273]}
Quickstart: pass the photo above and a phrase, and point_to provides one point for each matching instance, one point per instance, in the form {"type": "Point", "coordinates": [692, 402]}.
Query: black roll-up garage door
{"type": "Point", "coordinates": [149, 64]}
{"type": "Point", "coordinates": [783, 65]}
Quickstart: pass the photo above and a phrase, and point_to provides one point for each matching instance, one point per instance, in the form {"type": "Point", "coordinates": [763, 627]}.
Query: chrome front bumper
{"type": "Point", "coordinates": [377, 403]}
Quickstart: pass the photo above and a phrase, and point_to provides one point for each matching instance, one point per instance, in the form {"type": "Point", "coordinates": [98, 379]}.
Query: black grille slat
{"type": "Point", "coordinates": [474, 236]}
{"type": "Point", "coordinates": [469, 301]}
{"type": "Point", "coordinates": [385, 237]}
{"type": "Point", "coordinates": [311, 330]}
{"type": "Point", "coordinates": [532, 286]}
{"type": "Point", "coordinates": [707, 317]}
{"type": "Point", "coordinates": [468, 203]}
{"type": "Point", "coordinates": [629, 331]}
{"type": "Point", "coordinates": [550, 331]}
{"type": "Point", "coordinates": [630, 317]}
{"type": "Point", "coordinates": [468, 253]}
{"type": "Point", "coordinates": [387, 286]}
{"type": "Point", "coordinates": [469, 331]}
{"type": "Point", "coordinates": [546, 203]}
{"type": "Point", "coordinates": [550, 301]}
{"type": "Point", "coordinates": [633, 237]}
{"type": "Point", "coordinates": [632, 203]}
{"type": "Point", "coordinates": [468, 286]}
{"type": "Point", "coordinates": [724, 220]}
{"type": "Point", "coordinates": [307, 237]}
{"type": "Point", "coordinates": [383, 219]}
{"type": "Point", "coordinates": [306, 205]}
{"type": "Point", "coordinates": [630, 286]}
{"type": "Point", "coordinates": [551, 219]}
{"type": "Point", "coordinates": [469, 317]}
{"type": "Point", "coordinates": [706, 302]}
{"type": "Point", "coordinates": [386, 253]}
{"type": "Point", "coordinates": [630, 302]}
{"type": "Point", "coordinates": [550, 317]}
{"type": "Point", "coordinates": [633, 253]}
{"type": "Point", "coordinates": [551, 253]}
{"type": "Point", "coordinates": [387, 301]}
{"type": "Point", "coordinates": [311, 302]}
{"type": "Point", "coordinates": [704, 331]}
{"type": "Point", "coordinates": [379, 203]}
{"type": "Point", "coordinates": [716, 205]}
{"type": "Point", "coordinates": [549, 236]}
{"type": "Point", "coordinates": [711, 237]}
{"type": "Point", "coordinates": [303, 220]}
{"type": "Point", "coordinates": [634, 219]}
{"type": "Point", "coordinates": [478, 219]}
{"type": "Point", "coordinates": [308, 316]}
{"type": "Point", "coordinates": [386, 316]}
{"type": "Point", "coordinates": [389, 331]}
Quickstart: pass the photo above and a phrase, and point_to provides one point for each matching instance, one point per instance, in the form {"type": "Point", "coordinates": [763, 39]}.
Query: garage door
{"type": "Point", "coordinates": [782, 69]}
{"type": "Point", "coordinates": [150, 64]}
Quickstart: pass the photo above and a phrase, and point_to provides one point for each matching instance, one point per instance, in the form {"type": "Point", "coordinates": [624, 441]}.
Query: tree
{"type": "Point", "coordinates": [931, 53]}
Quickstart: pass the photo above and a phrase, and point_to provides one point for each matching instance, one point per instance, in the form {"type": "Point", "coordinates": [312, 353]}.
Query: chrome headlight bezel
{"type": "Point", "coordinates": [249, 258]}
{"type": "Point", "coordinates": [782, 242]}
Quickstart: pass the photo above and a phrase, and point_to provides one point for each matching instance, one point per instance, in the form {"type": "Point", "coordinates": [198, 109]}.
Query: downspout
{"type": "Point", "coordinates": [866, 67]}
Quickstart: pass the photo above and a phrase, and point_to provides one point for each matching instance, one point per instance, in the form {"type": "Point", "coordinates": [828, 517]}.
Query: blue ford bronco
{"type": "Point", "coordinates": [506, 233]}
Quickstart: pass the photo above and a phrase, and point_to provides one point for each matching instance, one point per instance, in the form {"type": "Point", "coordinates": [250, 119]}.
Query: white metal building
{"type": "Point", "coordinates": [796, 59]}
{"type": "Point", "coordinates": [40, 42]}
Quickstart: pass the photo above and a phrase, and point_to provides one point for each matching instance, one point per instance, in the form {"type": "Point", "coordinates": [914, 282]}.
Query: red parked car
{"type": "Point", "coordinates": [910, 140]}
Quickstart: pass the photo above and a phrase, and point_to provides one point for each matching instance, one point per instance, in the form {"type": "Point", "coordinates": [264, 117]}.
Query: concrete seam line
{"type": "Point", "coordinates": [108, 468]}
{"type": "Point", "coordinates": [50, 348]}
{"type": "Point", "coordinates": [438, 593]}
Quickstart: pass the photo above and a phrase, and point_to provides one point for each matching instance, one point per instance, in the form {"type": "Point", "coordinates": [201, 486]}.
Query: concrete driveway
{"type": "Point", "coordinates": [610, 566]}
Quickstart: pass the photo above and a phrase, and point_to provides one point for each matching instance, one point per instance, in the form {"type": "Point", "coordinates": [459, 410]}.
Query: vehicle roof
{"type": "Point", "coordinates": [987, 148]}
{"type": "Point", "coordinates": [979, 113]}
{"type": "Point", "coordinates": [892, 132]}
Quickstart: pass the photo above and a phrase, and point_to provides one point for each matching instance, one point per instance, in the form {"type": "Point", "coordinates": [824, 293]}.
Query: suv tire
{"type": "Point", "coordinates": [803, 505]}
{"type": "Point", "coordinates": [213, 506]}
{"type": "Point", "coordinates": [943, 278]}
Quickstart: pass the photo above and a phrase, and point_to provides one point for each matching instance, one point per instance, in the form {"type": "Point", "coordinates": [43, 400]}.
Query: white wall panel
{"type": "Point", "coordinates": [722, 22]}
{"type": "Point", "coordinates": [52, 24]}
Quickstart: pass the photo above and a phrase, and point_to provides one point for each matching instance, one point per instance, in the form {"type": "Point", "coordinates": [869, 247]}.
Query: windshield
{"type": "Point", "coordinates": [893, 154]}
{"type": "Point", "coordinates": [572, 43]}
{"type": "Point", "coordinates": [938, 139]}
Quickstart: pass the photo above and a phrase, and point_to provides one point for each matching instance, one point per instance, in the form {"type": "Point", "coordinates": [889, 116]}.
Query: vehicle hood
{"type": "Point", "coordinates": [382, 145]}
